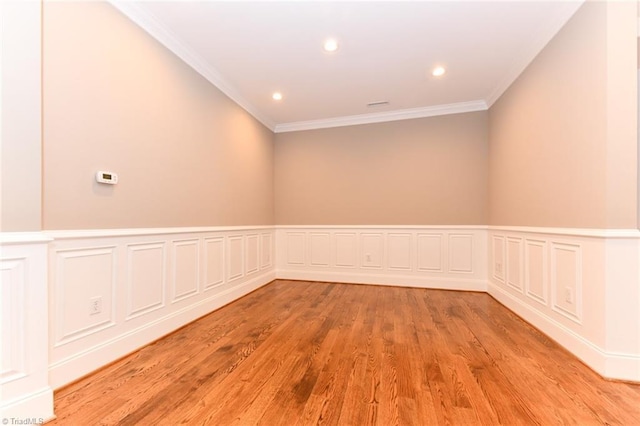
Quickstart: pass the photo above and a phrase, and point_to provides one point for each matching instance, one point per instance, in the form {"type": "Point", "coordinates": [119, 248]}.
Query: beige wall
{"type": "Point", "coordinates": [563, 138]}
{"type": "Point", "coordinates": [20, 119]}
{"type": "Point", "coordinates": [115, 99]}
{"type": "Point", "coordinates": [563, 141]}
{"type": "Point", "coordinates": [429, 171]}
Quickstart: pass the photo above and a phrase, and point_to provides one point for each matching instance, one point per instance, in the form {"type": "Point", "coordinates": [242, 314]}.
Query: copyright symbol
{"type": "Point", "coordinates": [5, 421]}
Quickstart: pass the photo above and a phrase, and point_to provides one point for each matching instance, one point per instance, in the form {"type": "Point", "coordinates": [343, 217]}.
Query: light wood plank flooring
{"type": "Point", "coordinates": [311, 353]}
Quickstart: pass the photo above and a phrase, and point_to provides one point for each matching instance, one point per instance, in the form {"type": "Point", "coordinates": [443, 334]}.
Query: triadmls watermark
{"type": "Point", "coordinates": [22, 421]}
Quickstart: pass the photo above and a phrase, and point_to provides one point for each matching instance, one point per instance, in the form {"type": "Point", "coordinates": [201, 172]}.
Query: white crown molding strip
{"type": "Point", "coordinates": [574, 232]}
{"type": "Point", "coordinates": [377, 227]}
{"type": "Point", "coordinates": [403, 114]}
{"type": "Point", "coordinates": [100, 233]}
{"type": "Point", "coordinates": [528, 53]}
{"type": "Point", "coordinates": [151, 25]}
{"type": "Point", "coordinates": [157, 30]}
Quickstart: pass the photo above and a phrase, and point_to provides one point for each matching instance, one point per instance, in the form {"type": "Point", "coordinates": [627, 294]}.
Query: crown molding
{"type": "Point", "coordinates": [528, 53]}
{"type": "Point", "coordinates": [387, 227]}
{"type": "Point", "coordinates": [403, 114]}
{"type": "Point", "coordinates": [158, 31]}
{"type": "Point", "coordinates": [163, 35]}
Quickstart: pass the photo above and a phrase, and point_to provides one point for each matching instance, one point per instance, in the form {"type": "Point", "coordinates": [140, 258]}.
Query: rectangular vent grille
{"type": "Point", "coordinates": [378, 103]}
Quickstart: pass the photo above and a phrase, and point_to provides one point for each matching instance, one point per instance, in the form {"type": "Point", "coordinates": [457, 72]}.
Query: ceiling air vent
{"type": "Point", "coordinates": [377, 104]}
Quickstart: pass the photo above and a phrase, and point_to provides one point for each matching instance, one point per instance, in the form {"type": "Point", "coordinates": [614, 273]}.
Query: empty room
{"type": "Point", "coordinates": [316, 212]}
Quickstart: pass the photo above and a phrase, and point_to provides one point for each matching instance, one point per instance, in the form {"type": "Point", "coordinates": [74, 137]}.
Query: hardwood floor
{"type": "Point", "coordinates": [316, 353]}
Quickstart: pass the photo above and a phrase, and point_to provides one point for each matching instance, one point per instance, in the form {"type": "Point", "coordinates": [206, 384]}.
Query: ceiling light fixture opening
{"type": "Point", "coordinates": [277, 96]}
{"type": "Point", "coordinates": [330, 45]}
{"type": "Point", "coordinates": [438, 71]}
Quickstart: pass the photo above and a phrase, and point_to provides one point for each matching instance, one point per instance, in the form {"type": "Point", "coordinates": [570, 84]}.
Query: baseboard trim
{"type": "Point", "coordinates": [317, 245]}
{"type": "Point", "coordinates": [80, 364]}
{"type": "Point", "coordinates": [40, 402]}
{"type": "Point", "coordinates": [461, 284]}
{"type": "Point", "coordinates": [622, 367]}
{"type": "Point", "coordinates": [613, 366]}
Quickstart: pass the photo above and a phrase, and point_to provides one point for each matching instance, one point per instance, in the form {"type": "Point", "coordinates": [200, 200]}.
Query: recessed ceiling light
{"type": "Point", "coordinates": [330, 45]}
{"type": "Point", "coordinates": [438, 71]}
{"type": "Point", "coordinates": [277, 96]}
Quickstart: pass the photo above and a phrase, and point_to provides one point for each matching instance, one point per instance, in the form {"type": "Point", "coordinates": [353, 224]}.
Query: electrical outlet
{"type": "Point", "coordinates": [368, 257]}
{"type": "Point", "coordinates": [568, 295]}
{"type": "Point", "coordinates": [498, 268]}
{"type": "Point", "coordinates": [95, 305]}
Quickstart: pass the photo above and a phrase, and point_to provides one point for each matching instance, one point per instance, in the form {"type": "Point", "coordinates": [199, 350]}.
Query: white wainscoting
{"type": "Point", "coordinates": [147, 284]}
{"type": "Point", "coordinates": [419, 256]}
{"type": "Point", "coordinates": [580, 287]}
{"type": "Point", "coordinates": [24, 384]}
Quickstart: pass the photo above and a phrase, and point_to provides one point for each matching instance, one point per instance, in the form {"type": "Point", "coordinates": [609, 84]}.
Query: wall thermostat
{"type": "Point", "coordinates": [107, 177]}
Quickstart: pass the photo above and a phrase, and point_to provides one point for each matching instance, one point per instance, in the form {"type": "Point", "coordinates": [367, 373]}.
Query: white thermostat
{"type": "Point", "coordinates": [107, 177]}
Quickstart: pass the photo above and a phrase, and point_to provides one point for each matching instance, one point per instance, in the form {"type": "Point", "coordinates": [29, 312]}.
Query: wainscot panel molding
{"type": "Point", "coordinates": [74, 301]}
{"type": "Point", "coordinates": [114, 291]}
{"type": "Point", "coordinates": [579, 286]}
{"type": "Point", "coordinates": [24, 384]}
{"type": "Point", "coordinates": [444, 257]}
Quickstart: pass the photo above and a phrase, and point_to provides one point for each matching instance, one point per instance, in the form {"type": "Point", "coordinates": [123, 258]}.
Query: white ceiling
{"type": "Point", "coordinates": [387, 51]}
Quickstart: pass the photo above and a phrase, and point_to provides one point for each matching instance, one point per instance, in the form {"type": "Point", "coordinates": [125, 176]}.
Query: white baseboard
{"type": "Point", "coordinates": [609, 365]}
{"type": "Point", "coordinates": [463, 284]}
{"type": "Point", "coordinates": [91, 359]}
{"type": "Point", "coordinates": [446, 257]}
{"type": "Point", "coordinates": [622, 367]}
{"type": "Point", "coordinates": [24, 389]}
{"type": "Point", "coordinates": [589, 353]}
{"type": "Point", "coordinates": [148, 283]}
{"type": "Point", "coordinates": [36, 407]}
{"type": "Point", "coordinates": [580, 287]}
